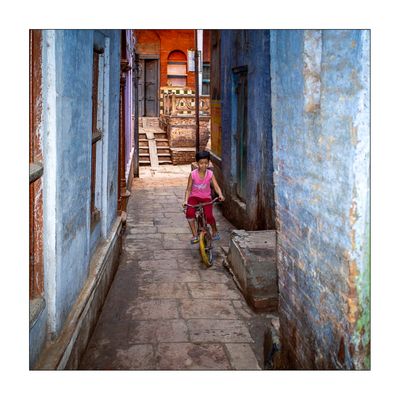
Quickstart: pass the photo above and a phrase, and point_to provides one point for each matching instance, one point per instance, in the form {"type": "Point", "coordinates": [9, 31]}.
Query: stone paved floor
{"type": "Point", "coordinates": [165, 310]}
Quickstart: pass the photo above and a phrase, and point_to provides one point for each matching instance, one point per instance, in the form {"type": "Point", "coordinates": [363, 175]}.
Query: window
{"type": "Point", "coordinates": [206, 79]}
{"type": "Point", "coordinates": [97, 134]}
{"type": "Point", "coordinates": [176, 69]}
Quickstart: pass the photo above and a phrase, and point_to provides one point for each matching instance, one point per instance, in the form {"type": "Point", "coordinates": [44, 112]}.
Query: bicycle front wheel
{"type": "Point", "coordinates": [205, 242]}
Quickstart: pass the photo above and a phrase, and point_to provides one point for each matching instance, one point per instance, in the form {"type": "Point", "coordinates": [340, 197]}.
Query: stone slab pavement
{"type": "Point", "coordinates": [165, 310]}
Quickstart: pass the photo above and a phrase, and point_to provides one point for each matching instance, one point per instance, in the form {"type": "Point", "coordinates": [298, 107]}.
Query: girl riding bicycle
{"type": "Point", "coordinates": [199, 191]}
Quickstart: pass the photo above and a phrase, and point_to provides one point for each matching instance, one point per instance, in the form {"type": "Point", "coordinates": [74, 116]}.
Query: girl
{"type": "Point", "coordinates": [199, 191]}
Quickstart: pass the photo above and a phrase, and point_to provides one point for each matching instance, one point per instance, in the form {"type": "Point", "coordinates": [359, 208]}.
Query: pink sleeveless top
{"type": "Point", "coordinates": [201, 187]}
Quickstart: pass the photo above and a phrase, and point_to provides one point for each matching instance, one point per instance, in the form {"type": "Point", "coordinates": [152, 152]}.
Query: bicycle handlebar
{"type": "Point", "coordinates": [203, 204]}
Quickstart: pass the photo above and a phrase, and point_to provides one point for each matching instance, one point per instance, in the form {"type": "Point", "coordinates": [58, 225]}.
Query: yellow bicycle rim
{"type": "Point", "coordinates": [203, 251]}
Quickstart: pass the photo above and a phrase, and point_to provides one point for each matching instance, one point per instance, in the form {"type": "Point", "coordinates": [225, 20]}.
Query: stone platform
{"type": "Point", "coordinates": [252, 261]}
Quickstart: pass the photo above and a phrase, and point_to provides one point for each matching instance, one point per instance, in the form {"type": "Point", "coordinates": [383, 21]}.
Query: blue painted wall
{"type": "Point", "coordinates": [248, 48]}
{"type": "Point", "coordinates": [67, 147]}
{"type": "Point", "coordinates": [74, 55]}
{"type": "Point", "coordinates": [320, 109]}
{"type": "Point", "coordinates": [74, 132]}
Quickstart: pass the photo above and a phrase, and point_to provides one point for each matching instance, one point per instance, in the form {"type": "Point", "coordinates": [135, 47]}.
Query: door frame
{"type": "Point", "coordinates": [143, 58]}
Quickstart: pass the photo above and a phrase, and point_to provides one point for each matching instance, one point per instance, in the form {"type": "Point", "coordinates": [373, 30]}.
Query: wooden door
{"type": "Point", "coordinates": [151, 88]}
{"type": "Point", "coordinates": [240, 80]}
{"type": "Point", "coordinates": [140, 92]}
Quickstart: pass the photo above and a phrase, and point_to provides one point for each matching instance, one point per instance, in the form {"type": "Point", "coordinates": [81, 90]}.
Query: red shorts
{"type": "Point", "coordinates": [208, 210]}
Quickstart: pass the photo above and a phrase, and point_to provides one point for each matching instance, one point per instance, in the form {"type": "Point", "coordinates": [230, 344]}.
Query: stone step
{"type": "Point", "coordinates": [156, 131]}
{"type": "Point", "coordinates": [150, 122]}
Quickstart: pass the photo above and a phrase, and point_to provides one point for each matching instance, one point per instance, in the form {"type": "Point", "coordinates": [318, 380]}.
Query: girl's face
{"type": "Point", "coordinates": [203, 164]}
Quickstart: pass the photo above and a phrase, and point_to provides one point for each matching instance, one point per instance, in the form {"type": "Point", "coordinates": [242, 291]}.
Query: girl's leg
{"type": "Point", "coordinates": [192, 227]}
{"type": "Point", "coordinates": [190, 215]}
{"type": "Point", "coordinates": [208, 211]}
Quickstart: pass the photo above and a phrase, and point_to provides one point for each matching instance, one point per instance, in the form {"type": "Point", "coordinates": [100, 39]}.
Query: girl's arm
{"type": "Point", "coordinates": [217, 188]}
{"type": "Point", "coordinates": [188, 189]}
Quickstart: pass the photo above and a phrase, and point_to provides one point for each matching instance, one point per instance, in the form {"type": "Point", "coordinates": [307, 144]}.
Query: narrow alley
{"type": "Point", "coordinates": [276, 122]}
{"type": "Point", "coordinates": [165, 310]}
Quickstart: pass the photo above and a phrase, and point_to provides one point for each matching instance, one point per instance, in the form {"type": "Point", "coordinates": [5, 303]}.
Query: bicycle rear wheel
{"type": "Point", "coordinates": [205, 246]}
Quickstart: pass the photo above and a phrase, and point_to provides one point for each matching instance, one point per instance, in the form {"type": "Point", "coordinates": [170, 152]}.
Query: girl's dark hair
{"type": "Point", "coordinates": [203, 154]}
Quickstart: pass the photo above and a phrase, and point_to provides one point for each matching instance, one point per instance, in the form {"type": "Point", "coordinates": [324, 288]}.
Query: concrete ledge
{"type": "Point", "coordinates": [252, 260]}
{"type": "Point", "coordinates": [65, 352]}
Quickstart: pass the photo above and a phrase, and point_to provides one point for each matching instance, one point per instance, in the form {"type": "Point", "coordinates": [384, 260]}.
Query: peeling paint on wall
{"type": "Point", "coordinates": [67, 119]}
{"type": "Point", "coordinates": [320, 118]}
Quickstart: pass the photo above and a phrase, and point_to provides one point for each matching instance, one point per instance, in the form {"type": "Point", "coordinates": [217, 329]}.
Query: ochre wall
{"type": "Point", "coordinates": [175, 40]}
{"type": "Point", "coordinates": [162, 42]}
{"type": "Point", "coordinates": [148, 42]}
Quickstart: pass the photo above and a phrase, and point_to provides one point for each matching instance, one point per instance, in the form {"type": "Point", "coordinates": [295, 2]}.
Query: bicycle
{"type": "Point", "coordinates": [204, 233]}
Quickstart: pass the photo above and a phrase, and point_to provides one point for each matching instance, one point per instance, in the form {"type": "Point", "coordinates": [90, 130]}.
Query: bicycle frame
{"type": "Point", "coordinates": [203, 231]}
{"type": "Point", "coordinates": [201, 223]}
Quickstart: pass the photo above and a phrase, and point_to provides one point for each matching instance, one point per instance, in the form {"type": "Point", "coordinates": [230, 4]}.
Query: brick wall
{"type": "Point", "coordinates": [320, 119]}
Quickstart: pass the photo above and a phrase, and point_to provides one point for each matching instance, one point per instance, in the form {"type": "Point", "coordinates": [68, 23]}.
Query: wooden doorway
{"type": "Point", "coordinates": [148, 88]}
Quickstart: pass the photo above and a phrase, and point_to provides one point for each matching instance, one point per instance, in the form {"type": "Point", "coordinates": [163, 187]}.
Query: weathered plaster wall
{"type": "Point", "coordinates": [248, 48]}
{"type": "Point", "coordinates": [320, 104]}
{"type": "Point", "coordinates": [67, 64]}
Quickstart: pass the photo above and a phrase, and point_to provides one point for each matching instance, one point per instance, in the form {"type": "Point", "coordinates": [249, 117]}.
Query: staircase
{"type": "Point", "coordinates": [153, 143]}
